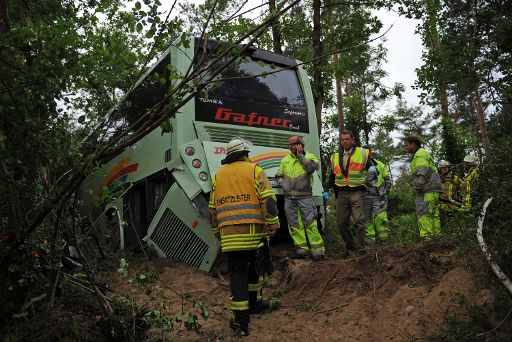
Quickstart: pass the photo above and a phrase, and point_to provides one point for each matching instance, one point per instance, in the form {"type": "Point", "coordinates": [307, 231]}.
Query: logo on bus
{"type": "Point", "coordinates": [226, 114]}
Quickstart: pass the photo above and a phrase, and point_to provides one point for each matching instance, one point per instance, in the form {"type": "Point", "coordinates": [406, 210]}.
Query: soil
{"type": "Point", "coordinates": [388, 294]}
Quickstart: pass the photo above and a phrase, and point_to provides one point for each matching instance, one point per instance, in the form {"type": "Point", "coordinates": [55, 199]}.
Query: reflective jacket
{"type": "Point", "coordinates": [450, 184]}
{"type": "Point", "coordinates": [355, 173]}
{"type": "Point", "coordinates": [383, 183]}
{"type": "Point", "coordinates": [295, 174]}
{"type": "Point", "coordinates": [239, 206]}
{"type": "Point", "coordinates": [467, 187]}
{"type": "Point", "coordinates": [424, 173]}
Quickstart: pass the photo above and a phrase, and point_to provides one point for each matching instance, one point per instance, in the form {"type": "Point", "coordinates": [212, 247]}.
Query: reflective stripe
{"type": "Point", "coordinates": [316, 246]}
{"type": "Point", "coordinates": [240, 217]}
{"type": "Point", "coordinates": [265, 194]}
{"type": "Point", "coordinates": [237, 207]}
{"type": "Point", "coordinates": [238, 306]}
{"type": "Point", "coordinates": [240, 242]}
{"type": "Point", "coordinates": [256, 287]}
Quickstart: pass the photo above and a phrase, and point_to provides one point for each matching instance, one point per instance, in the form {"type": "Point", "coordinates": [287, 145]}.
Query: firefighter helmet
{"type": "Point", "coordinates": [470, 159]}
{"type": "Point", "coordinates": [235, 149]}
{"type": "Point", "coordinates": [444, 163]}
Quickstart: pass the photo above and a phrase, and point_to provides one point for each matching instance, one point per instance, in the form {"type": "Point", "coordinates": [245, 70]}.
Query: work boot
{"type": "Point", "coordinates": [240, 324]}
{"type": "Point", "coordinates": [260, 307]}
{"type": "Point", "coordinates": [301, 254]}
{"type": "Point", "coordinates": [239, 329]}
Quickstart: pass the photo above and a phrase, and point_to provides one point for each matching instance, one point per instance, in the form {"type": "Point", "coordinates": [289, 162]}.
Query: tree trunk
{"type": "Point", "coordinates": [276, 31]}
{"type": "Point", "coordinates": [481, 121]}
{"type": "Point", "coordinates": [435, 45]}
{"type": "Point", "coordinates": [338, 81]}
{"type": "Point", "coordinates": [4, 17]}
{"type": "Point", "coordinates": [365, 117]}
{"type": "Point", "coordinates": [317, 72]}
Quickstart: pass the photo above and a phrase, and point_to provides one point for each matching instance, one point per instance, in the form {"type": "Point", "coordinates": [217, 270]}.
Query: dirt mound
{"type": "Point", "coordinates": [387, 294]}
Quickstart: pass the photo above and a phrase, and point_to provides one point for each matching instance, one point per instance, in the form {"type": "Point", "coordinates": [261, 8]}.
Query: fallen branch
{"type": "Point", "coordinates": [483, 246]}
{"type": "Point", "coordinates": [499, 325]}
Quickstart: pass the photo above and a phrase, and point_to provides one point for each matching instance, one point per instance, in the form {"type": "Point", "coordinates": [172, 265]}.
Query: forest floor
{"type": "Point", "coordinates": [429, 291]}
{"type": "Point", "coordinates": [389, 294]}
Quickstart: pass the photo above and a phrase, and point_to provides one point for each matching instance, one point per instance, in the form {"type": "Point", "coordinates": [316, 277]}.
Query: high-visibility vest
{"type": "Point", "coordinates": [356, 170]}
{"type": "Point", "coordinates": [236, 200]}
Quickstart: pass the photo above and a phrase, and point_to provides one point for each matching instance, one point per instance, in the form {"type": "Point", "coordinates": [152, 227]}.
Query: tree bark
{"type": "Point", "coordinates": [338, 81]}
{"type": "Point", "coordinates": [4, 18]}
{"type": "Point", "coordinates": [317, 72]}
{"type": "Point", "coordinates": [481, 121]}
{"type": "Point", "coordinates": [276, 31]}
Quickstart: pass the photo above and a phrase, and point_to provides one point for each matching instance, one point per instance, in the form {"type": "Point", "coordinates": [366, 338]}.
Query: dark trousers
{"type": "Point", "coordinates": [242, 273]}
{"type": "Point", "coordinates": [351, 203]}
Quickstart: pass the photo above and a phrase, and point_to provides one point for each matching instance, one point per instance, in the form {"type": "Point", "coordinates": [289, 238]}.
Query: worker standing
{"type": "Point", "coordinates": [449, 198]}
{"type": "Point", "coordinates": [243, 209]}
{"type": "Point", "coordinates": [468, 185]}
{"type": "Point", "coordinates": [426, 185]}
{"type": "Point", "coordinates": [347, 177]}
{"type": "Point", "coordinates": [295, 176]}
{"type": "Point", "coordinates": [376, 202]}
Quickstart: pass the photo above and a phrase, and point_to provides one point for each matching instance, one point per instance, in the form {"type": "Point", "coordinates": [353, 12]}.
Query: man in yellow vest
{"type": "Point", "coordinates": [426, 185]}
{"type": "Point", "coordinates": [376, 202]}
{"type": "Point", "coordinates": [243, 209]}
{"type": "Point", "coordinates": [468, 184]}
{"type": "Point", "coordinates": [449, 198]}
{"type": "Point", "coordinates": [295, 176]}
{"type": "Point", "coordinates": [348, 179]}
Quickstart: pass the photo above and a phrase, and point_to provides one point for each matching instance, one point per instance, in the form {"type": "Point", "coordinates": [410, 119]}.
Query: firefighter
{"type": "Point", "coordinates": [449, 198]}
{"type": "Point", "coordinates": [349, 167]}
{"type": "Point", "coordinates": [468, 184]}
{"type": "Point", "coordinates": [376, 202]}
{"type": "Point", "coordinates": [243, 209]}
{"type": "Point", "coordinates": [295, 176]}
{"type": "Point", "coordinates": [426, 185]}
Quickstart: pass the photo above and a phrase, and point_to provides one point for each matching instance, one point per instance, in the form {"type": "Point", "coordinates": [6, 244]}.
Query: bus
{"type": "Point", "coordinates": [156, 191]}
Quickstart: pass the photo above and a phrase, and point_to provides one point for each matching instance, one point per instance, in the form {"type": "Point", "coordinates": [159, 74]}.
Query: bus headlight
{"type": "Point", "coordinates": [190, 151]}
{"type": "Point", "coordinates": [196, 163]}
{"type": "Point", "coordinates": [203, 176]}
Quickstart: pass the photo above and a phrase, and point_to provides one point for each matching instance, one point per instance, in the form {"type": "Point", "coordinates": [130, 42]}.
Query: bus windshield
{"type": "Point", "coordinates": [253, 92]}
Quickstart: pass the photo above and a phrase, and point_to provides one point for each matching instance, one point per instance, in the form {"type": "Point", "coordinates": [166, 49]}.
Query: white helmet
{"type": "Point", "coordinates": [238, 144]}
{"type": "Point", "coordinates": [235, 145]}
{"type": "Point", "coordinates": [470, 159]}
{"type": "Point", "coordinates": [444, 163]}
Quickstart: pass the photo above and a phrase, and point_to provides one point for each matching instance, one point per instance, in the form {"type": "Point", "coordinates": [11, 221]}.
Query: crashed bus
{"type": "Point", "coordinates": [159, 187]}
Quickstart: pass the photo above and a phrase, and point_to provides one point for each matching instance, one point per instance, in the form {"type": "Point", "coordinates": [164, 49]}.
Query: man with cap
{"type": "Point", "coordinates": [243, 209]}
{"type": "Point", "coordinates": [295, 176]}
{"type": "Point", "coordinates": [347, 178]}
{"type": "Point", "coordinates": [426, 185]}
{"type": "Point", "coordinates": [468, 184]}
{"type": "Point", "coordinates": [376, 202]}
